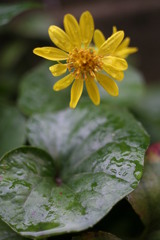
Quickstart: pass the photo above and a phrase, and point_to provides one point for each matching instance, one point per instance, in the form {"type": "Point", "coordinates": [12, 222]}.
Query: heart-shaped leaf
{"type": "Point", "coordinates": [37, 95]}
{"type": "Point", "coordinates": [12, 129]}
{"type": "Point", "coordinates": [6, 233]}
{"type": "Point", "coordinates": [145, 199]}
{"type": "Point", "coordinates": [96, 236]}
{"type": "Point", "coordinates": [9, 11]}
{"type": "Point", "coordinates": [98, 161]}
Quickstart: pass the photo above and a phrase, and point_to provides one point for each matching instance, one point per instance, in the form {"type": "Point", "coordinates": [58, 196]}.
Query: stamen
{"type": "Point", "coordinates": [84, 62]}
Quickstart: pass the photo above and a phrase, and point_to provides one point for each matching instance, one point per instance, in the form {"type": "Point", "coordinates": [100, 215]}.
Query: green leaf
{"type": "Point", "coordinates": [148, 111]}
{"type": "Point", "coordinates": [145, 199]}
{"type": "Point", "coordinates": [6, 233]}
{"type": "Point", "coordinates": [12, 128]}
{"type": "Point", "coordinates": [98, 161]}
{"type": "Point", "coordinates": [36, 92]}
{"type": "Point", "coordinates": [96, 236]}
{"type": "Point", "coordinates": [131, 89]}
{"type": "Point", "coordinates": [9, 11]}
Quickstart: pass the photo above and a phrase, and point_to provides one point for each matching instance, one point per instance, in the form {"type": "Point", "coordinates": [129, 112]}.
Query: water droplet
{"type": "Point", "coordinates": [114, 170]}
{"type": "Point", "coordinates": [138, 175]}
{"type": "Point", "coordinates": [124, 174]}
{"type": "Point", "coordinates": [31, 166]}
{"type": "Point", "coordinates": [134, 185]}
{"type": "Point", "coordinates": [19, 173]}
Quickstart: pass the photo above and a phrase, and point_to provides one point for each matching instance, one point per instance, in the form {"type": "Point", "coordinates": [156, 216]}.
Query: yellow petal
{"type": "Point", "coordinates": [118, 63]}
{"type": "Point", "coordinates": [110, 45]}
{"type": "Point", "coordinates": [114, 29]}
{"type": "Point", "coordinates": [108, 84]}
{"type": "Point", "coordinates": [51, 53]}
{"type": "Point", "coordinates": [99, 38]}
{"type": "Point", "coordinates": [72, 29]}
{"type": "Point", "coordinates": [125, 52]}
{"type": "Point", "coordinates": [60, 38]}
{"type": "Point", "coordinates": [86, 27]}
{"type": "Point", "coordinates": [125, 43]}
{"type": "Point", "coordinates": [117, 75]}
{"type": "Point", "coordinates": [58, 69]}
{"type": "Point", "coordinates": [64, 82]}
{"type": "Point", "coordinates": [92, 90]}
{"type": "Point", "coordinates": [76, 92]}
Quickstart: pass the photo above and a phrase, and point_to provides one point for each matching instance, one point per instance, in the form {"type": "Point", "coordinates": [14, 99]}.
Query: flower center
{"type": "Point", "coordinates": [84, 62]}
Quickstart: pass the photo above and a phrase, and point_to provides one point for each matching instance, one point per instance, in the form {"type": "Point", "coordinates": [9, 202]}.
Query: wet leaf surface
{"type": "Point", "coordinates": [97, 159]}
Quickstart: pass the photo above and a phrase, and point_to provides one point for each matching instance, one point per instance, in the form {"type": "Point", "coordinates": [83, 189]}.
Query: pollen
{"type": "Point", "coordinates": [84, 63]}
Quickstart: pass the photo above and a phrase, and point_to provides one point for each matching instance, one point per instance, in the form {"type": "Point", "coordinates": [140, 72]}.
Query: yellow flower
{"type": "Point", "coordinates": [122, 51]}
{"type": "Point", "coordinates": [83, 62]}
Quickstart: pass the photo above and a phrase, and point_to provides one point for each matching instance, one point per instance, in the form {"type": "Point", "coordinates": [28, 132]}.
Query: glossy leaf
{"type": "Point", "coordinates": [6, 233]}
{"type": "Point", "coordinates": [36, 92]}
{"type": "Point", "coordinates": [145, 199]}
{"type": "Point", "coordinates": [12, 129]}
{"type": "Point", "coordinates": [98, 160]}
{"type": "Point", "coordinates": [148, 111]}
{"type": "Point", "coordinates": [96, 236]}
{"type": "Point", "coordinates": [9, 11]}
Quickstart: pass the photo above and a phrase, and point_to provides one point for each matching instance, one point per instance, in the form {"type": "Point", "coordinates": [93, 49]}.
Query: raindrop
{"type": "Point", "coordinates": [124, 174]}
{"type": "Point", "coordinates": [134, 185]}
{"type": "Point", "coordinates": [114, 170]}
{"type": "Point", "coordinates": [19, 173]}
{"type": "Point", "coordinates": [138, 175]}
